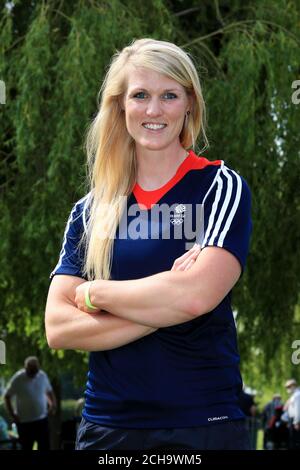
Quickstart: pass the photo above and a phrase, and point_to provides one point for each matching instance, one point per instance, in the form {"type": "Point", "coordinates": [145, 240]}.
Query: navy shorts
{"type": "Point", "coordinates": [232, 435]}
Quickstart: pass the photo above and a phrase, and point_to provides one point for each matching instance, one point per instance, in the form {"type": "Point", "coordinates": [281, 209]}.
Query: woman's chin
{"type": "Point", "coordinates": [152, 145]}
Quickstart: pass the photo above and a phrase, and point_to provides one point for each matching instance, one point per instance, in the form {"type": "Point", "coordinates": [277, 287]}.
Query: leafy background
{"type": "Point", "coordinates": [53, 56]}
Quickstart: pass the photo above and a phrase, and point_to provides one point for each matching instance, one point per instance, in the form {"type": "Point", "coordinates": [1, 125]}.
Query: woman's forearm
{"type": "Point", "coordinates": [158, 301]}
{"type": "Point", "coordinates": [67, 327]}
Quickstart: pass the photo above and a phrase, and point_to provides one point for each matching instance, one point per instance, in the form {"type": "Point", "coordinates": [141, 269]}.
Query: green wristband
{"type": "Point", "coordinates": [87, 297]}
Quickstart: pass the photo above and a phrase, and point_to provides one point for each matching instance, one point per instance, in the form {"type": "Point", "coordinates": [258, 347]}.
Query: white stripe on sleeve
{"type": "Point", "coordinates": [223, 208]}
{"type": "Point", "coordinates": [214, 209]}
{"type": "Point", "coordinates": [233, 209]}
{"type": "Point", "coordinates": [230, 196]}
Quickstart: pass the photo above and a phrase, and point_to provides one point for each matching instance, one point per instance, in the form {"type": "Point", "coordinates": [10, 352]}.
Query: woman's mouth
{"type": "Point", "coordinates": [151, 126]}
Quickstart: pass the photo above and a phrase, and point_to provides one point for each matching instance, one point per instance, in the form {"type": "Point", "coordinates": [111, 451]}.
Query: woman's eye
{"type": "Point", "coordinates": [169, 96]}
{"type": "Point", "coordinates": [140, 95]}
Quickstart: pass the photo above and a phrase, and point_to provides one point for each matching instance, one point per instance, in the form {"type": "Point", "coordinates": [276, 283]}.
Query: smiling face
{"type": "Point", "coordinates": [155, 107]}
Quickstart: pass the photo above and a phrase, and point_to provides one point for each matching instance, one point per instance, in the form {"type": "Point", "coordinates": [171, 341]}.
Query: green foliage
{"type": "Point", "coordinates": [53, 56]}
{"type": "Point", "coordinates": [55, 66]}
{"type": "Point", "coordinates": [254, 127]}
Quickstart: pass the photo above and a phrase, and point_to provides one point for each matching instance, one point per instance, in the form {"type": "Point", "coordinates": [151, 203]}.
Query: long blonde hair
{"type": "Point", "coordinates": [112, 166]}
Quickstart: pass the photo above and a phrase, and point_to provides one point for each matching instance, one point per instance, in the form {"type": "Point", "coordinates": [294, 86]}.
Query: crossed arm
{"type": "Point", "coordinates": [129, 310]}
{"type": "Point", "coordinates": [170, 297]}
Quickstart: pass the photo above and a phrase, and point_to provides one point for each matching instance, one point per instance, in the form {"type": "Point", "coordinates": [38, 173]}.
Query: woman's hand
{"type": "Point", "coordinates": [183, 263]}
{"type": "Point", "coordinates": [80, 299]}
{"type": "Point", "coordinates": [186, 261]}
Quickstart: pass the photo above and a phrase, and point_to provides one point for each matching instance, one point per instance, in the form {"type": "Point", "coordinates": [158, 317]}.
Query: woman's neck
{"type": "Point", "coordinates": [156, 168]}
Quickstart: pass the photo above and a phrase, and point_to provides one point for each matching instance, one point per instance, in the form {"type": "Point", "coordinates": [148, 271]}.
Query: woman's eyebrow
{"type": "Point", "coordinates": [163, 91]}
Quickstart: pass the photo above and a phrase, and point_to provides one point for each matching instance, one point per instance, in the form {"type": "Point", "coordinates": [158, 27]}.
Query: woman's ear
{"type": "Point", "coordinates": [191, 99]}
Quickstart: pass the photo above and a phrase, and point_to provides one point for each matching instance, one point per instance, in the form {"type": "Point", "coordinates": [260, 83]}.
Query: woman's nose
{"type": "Point", "coordinates": [154, 107]}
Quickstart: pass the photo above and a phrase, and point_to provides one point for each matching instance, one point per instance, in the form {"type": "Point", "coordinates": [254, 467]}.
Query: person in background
{"type": "Point", "coordinates": [269, 408]}
{"type": "Point", "coordinates": [34, 400]}
{"type": "Point", "coordinates": [292, 407]}
{"type": "Point", "coordinates": [275, 429]}
{"type": "Point", "coordinates": [248, 406]}
{"type": "Point", "coordinates": [4, 435]}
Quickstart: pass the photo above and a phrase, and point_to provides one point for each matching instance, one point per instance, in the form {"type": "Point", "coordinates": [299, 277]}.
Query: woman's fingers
{"type": "Point", "coordinates": [181, 263]}
{"type": "Point", "coordinates": [187, 263]}
{"type": "Point", "coordinates": [190, 264]}
{"type": "Point", "coordinates": [189, 253]}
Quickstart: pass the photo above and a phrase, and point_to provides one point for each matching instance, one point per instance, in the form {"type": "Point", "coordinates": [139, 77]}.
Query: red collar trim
{"type": "Point", "coordinates": [191, 162]}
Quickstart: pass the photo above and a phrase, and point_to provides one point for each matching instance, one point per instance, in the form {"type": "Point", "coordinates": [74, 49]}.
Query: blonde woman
{"type": "Point", "coordinates": [148, 261]}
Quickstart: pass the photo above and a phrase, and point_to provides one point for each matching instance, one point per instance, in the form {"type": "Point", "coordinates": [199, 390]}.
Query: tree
{"type": "Point", "coordinates": [251, 60]}
{"type": "Point", "coordinates": [53, 55]}
{"type": "Point", "coordinates": [52, 58]}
